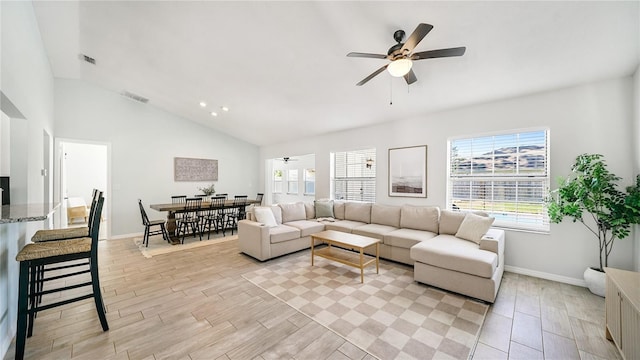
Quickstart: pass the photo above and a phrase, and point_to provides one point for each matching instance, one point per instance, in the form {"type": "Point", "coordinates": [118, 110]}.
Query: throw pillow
{"type": "Point", "coordinates": [324, 209]}
{"type": "Point", "coordinates": [474, 227]}
{"type": "Point", "coordinates": [265, 215]}
{"type": "Point", "coordinates": [293, 212]}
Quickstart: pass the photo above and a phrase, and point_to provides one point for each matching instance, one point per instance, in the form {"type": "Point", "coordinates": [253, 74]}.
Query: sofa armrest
{"type": "Point", "coordinates": [254, 239]}
{"type": "Point", "coordinates": [493, 241]}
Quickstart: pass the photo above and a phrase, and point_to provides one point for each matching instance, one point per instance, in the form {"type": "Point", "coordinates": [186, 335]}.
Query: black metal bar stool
{"type": "Point", "coordinates": [33, 258]}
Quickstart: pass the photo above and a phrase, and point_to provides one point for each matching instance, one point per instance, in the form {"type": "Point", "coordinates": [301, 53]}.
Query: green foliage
{"type": "Point", "coordinates": [590, 195]}
{"type": "Point", "coordinates": [208, 190]}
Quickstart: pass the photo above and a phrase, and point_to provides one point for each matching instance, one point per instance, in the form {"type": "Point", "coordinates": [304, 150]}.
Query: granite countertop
{"type": "Point", "coordinates": [26, 212]}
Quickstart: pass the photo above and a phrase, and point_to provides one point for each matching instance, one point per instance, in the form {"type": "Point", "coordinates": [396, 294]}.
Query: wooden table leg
{"type": "Point", "coordinates": [171, 227]}
{"type": "Point", "coordinates": [361, 267]}
{"type": "Point", "coordinates": [312, 247]}
{"type": "Point", "coordinates": [378, 258]}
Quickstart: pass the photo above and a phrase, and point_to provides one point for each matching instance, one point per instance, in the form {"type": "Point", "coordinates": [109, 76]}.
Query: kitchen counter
{"type": "Point", "coordinates": [26, 212]}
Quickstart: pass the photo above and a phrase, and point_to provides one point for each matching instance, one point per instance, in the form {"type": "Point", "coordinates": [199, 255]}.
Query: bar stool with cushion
{"type": "Point", "coordinates": [149, 224]}
{"type": "Point", "coordinates": [67, 233]}
{"type": "Point", "coordinates": [36, 255]}
{"type": "Point", "coordinates": [190, 218]}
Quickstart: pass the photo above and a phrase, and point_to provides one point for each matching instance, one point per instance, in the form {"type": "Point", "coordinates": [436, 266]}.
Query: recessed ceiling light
{"type": "Point", "coordinates": [203, 104]}
{"type": "Point", "coordinates": [213, 113]}
{"type": "Point", "coordinates": [224, 108]}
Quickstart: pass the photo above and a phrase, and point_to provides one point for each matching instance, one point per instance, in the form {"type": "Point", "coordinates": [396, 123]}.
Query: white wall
{"type": "Point", "coordinates": [86, 169]}
{"type": "Point", "coordinates": [27, 81]}
{"type": "Point", "coordinates": [5, 145]}
{"type": "Point", "coordinates": [636, 142]}
{"type": "Point", "coordinates": [144, 141]}
{"type": "Point", "coordinates": [592, 118]}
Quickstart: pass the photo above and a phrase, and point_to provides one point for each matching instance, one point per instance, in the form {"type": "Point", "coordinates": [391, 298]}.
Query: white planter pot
{"type": "Point", "coordinates": [596, 281]}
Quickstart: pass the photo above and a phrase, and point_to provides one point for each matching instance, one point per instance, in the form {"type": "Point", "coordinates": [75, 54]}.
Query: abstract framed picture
{"type": "Point", "coordinates": [408, 171]}
{"type": "Point", "coordinates": [189, 169]}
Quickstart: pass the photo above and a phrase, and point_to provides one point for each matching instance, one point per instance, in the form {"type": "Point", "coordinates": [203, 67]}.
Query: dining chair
{"type": "Point", "coordinates": [224, 195]}
{"type": "Point", "coordinates": [190, 218]}
{"type": "Point", "coordinates": [259, 198]}
{"type": "Point", "coordinates": [178, 199]}
{"type": "Point", "coordinates": [149, 224]}
{"type": "Point", "coordinates": [214, 216]}
{"type": "Point", "coordinates": [64, 254]}
{"type": "Point", "coordinates": [234, 213]}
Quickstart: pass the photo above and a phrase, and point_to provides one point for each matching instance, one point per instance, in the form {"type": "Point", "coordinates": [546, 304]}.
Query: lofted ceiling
{"type": "Point", "coordinates": [282, 70]}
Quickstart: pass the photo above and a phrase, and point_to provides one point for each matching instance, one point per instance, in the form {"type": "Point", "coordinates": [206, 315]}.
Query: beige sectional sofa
{"type": "Point", "coordinates": [471, 263]}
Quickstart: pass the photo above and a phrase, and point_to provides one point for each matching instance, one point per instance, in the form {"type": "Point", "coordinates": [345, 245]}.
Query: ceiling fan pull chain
{"type": "Point", "coordinates": [390, 91]}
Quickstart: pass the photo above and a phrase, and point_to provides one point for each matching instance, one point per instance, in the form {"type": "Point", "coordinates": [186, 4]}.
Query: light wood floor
{"type": "Point", "coordinates": [194, 304]}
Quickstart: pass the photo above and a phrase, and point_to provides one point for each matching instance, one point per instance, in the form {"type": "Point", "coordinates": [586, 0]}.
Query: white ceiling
{"type": "Point", "coordinates": [281, 67]}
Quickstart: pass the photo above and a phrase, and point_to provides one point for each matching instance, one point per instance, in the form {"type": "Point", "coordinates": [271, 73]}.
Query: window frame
{"type": "Point", "coordinates": [306, 181]}
{"type": "Point", "coordinates": [367, 184]}
{"type": "Point", "coordinates": [277, 182]}
{"type": "Point", "coordinates": [293, 182]}
{"type": "Point", "coordinates": [529, 188]}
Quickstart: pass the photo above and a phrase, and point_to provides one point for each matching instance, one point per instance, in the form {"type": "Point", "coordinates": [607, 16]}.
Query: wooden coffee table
{"type": "Point", "coordinates": [348, 241]}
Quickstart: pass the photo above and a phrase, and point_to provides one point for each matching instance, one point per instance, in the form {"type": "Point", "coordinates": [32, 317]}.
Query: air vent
{"type": "Point", "coordinates": [88, 59]}
{"type": "Point", "coordinates": [135, 97]}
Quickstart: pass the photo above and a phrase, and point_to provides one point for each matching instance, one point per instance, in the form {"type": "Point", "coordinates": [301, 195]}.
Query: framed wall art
{"type": "Point", "coordinates": [188, 169]}
{"type": "Point", "coordinates": [408, 171]}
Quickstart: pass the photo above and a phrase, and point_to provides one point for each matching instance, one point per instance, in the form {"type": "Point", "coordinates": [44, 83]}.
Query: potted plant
{"type": "Point", "coordinates": [208, 190]}
{"type": "Point", "coordinates": [590, 196]}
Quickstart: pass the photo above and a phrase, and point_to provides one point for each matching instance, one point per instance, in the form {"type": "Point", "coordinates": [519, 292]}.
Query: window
{"type": "Point", "coordinates": [309, 181]}
{"type": "Point", "coordinates": [277, 181]}
{"type": "Point", "coordinates": [505, 175]}
{"type": "Point", "coordinates": [354, 178]}
{"type": "Point", "coordinates": [292, 181]}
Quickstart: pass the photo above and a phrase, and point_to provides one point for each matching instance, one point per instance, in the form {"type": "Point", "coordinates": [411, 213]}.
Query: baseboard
{"type": "Point", "coordinates": [544, 275]}
{"type": "Point", "coordinates": [125, 236]}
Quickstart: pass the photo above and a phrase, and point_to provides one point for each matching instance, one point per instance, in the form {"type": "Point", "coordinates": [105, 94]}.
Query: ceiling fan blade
{"type": "Point", "coordinates": [418, 34]}
{"type": "Point", "coordinates": [459, 51]}
{"type": "Point", "coordinates": [366, 55]}
{"type": "Point", "coordinates": [364, 81]}
{"type": "Point", "coordinates": [410, 77]}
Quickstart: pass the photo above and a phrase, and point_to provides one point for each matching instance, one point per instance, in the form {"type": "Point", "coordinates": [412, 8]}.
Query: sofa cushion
{"type": "Point", "coordinates": [265, 215]}
{"type": "Point", "coordinates": [473, 227]}
{"type": "Point", "coordinates": [338, 209]}
{"type": "Point", "coordinates": [343, 225]}
{"type": "Point", "coordinates": [406, 238]}
{"type": "Point", "coordinates": [306, 227]}
{"type": "Point", "coordinates": [375, 231]}
{"type": "Point", "coordinates": [282, 233]}
{"type": "Point", "coordinates": [277, 213]}
{"type": "Point", "coordinates": [419, 218]}
{"type": "Point", "coordinates": [310, 210]}
{"type": "Point", "coordinates": [385, 215]}
{"type": "Point", "coordinates": [293, 212]}
{"type": "Point", "coordinates": [450, 220]}
{"type": "Point", "coordinates": [450, 252]}
{"type": "Point", "coordinates": [324, 209]}
{"type": "Point", "coordinates": [357, 211]}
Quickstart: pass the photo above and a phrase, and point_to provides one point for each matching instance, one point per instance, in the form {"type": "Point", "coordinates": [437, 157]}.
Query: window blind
{"type": "Point", "coordinates": [504, 175]}
{"type": "Point", "coordinates": [292, 181]}
{"type": "Point", "coordinates": [353, 180]}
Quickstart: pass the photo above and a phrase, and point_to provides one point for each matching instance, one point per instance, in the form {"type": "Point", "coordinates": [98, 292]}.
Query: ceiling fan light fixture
{"type": "Point", "coordinates": [400, 67]}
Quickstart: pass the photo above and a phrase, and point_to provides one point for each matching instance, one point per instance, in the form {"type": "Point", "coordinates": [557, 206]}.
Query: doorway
{"type": "Point", "coordinates": [83, 166]}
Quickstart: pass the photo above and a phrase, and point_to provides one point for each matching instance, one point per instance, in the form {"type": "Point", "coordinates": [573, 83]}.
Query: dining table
{"type": "Point", "coordinates": [173, 208]}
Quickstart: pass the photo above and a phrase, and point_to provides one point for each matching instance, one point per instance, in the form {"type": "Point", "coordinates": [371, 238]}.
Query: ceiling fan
{"type": "Point", "coordinates": [286, 159]}
{"type": "Point", "coordinates": [402, 55]}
